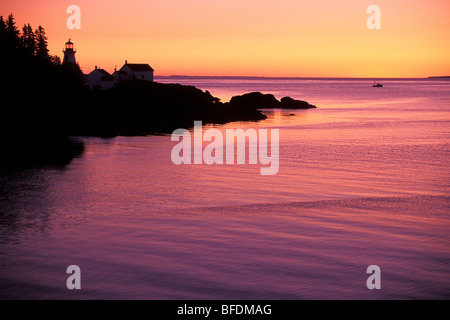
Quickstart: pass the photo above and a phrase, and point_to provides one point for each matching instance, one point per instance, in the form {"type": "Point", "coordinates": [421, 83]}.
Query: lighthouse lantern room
{"type": "Point", "coordinates": [69, 53]}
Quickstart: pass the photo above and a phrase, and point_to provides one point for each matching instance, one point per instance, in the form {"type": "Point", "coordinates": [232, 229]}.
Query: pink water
{"type": "Point", "coordinates": [363, 179]}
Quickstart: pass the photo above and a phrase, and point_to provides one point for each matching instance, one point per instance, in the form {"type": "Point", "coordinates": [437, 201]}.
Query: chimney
{"type": "Point", "coordinates": [126, 62]}
{"type": "Point", "coordinates": [95, 67]}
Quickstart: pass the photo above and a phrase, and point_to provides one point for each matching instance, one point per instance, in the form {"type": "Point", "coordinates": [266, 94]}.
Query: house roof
{"type": "Point", "coordinates": [105, 73]}
{"type": "Point", "coordinates": [139, 67]}
{"type": "Point", "coordinates": [106, 76]}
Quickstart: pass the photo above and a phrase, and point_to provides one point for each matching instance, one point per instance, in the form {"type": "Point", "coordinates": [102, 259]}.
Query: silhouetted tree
{"type": "Point", "coordinates": [2, 29]}
{"type": "Point", "coordinates": [11, 26]}
{"type": "Point", "coordinates": [41, 43]}
{"type": "Point", "coordinates": [28, 39]}
{"type": "Point", "coordinates": [12, 33]}
{"type": "Point", "coordinates": [55, 60]}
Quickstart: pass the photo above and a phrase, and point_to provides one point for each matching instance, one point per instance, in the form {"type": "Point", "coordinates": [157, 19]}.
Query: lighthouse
{"type": "Point", "coordinates": [69, 54]}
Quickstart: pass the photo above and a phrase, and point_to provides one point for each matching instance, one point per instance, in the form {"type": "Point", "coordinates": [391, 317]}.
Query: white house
{"type": "Point", "coordinates": [99, 78]}
{"type": "Point", "coordinates": [134, 71]}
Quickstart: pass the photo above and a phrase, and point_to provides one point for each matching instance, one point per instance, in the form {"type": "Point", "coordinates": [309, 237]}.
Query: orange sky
{"type": "Point", "coordinates": [320, 38]}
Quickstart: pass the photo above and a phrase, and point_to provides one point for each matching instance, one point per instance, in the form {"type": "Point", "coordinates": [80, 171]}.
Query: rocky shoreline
{"type": "Point", "coordinates": [45, 104]}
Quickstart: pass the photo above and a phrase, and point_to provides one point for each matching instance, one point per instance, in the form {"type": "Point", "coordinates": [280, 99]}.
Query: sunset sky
{"type": "Point", "coordinates": [321, 38]}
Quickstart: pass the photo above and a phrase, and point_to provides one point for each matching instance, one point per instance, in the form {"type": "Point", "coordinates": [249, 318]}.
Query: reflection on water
{"type": "Point", "coordinates": [21, 193]}
{"type": "Point", "coordinates": [359, 184]}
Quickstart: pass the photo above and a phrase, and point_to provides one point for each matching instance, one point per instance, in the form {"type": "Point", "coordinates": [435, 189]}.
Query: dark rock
{"type": "Point", "coordinates": [267, 101]}
{"type": "Point", "coordinates": [289, 103]}
{"type": "Point", "coordinates": [255, 100]}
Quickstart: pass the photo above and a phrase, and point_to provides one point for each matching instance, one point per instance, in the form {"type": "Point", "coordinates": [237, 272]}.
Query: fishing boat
{"type": "Point", "coordinates": [377, 85]}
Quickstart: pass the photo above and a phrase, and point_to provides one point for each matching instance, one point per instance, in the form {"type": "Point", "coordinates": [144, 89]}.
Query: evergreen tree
{"type": "Point", "coordinates": [2, 28]}
{"type": "Point", "coordinates": [28, 39]}
{"type": "Point", "coordinates": [41, 43]}
{"type": "Point", "coordinates": [11, 28]}
{"type": "Point", "coordinates": [11, 32]}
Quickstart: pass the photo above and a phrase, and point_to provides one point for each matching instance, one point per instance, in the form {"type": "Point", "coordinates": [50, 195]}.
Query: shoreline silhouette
{"type": "Point", "coordinates": [47, 103]}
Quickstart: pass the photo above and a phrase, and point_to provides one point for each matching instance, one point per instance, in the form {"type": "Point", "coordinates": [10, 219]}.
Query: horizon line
{"type": "Point", "coordinates": [298, 77]}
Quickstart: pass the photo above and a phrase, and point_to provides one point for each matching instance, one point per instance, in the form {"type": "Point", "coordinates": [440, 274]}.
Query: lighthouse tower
{"type": "Point", "coordinates": [69, 54]}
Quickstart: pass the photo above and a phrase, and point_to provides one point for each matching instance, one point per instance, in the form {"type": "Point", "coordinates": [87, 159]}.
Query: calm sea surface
{"type": "Point", "coordinates": [364, 180]}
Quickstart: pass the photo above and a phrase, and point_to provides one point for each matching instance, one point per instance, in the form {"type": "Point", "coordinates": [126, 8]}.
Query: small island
{"type": "Point", "coordinates": [259, 100]}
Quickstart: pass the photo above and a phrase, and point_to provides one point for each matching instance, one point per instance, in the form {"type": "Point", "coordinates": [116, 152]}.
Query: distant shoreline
{"type": "Point", "coordinates": [292, 78]}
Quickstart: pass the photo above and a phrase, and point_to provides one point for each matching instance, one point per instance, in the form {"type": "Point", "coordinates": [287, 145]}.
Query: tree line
{"type": "Point", "coordinates": [34, 86]}
{"type": "Point", "coordinates": [32, 42]}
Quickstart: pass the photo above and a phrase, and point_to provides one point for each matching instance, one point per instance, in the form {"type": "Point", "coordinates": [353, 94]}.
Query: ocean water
{"type": "Point", "coordinates": [363, 180]}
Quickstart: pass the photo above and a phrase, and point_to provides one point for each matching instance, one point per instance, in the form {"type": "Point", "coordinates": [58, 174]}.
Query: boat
{"type": "Point", "coordinates": [377, 85]}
